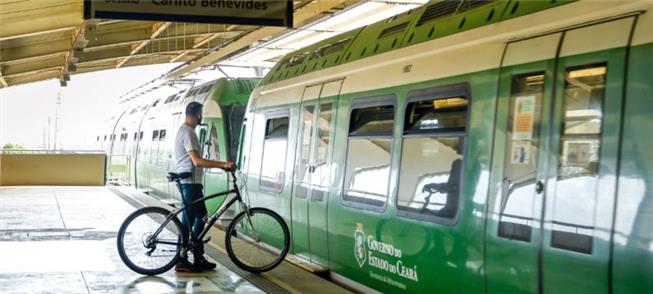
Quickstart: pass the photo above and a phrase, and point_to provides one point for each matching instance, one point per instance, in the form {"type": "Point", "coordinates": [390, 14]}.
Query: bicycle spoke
{"type": "Point", "coordinates": [141, 249]}
{"type": "Point", "coordinates": [260, 244]}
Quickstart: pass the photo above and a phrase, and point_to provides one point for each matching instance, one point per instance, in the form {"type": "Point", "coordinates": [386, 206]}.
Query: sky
{"type": "Point", "coordinates": [86, 103]}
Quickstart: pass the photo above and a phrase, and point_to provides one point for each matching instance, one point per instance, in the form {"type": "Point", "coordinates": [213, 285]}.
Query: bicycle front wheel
{"type": "Point", "coordinates": [258, 243]}
{"type": "Point", "coordinates": [144, 251]}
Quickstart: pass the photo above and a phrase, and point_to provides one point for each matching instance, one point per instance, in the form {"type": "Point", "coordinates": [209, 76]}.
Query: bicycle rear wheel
{"type": "Point", "coordinates": [258, 247]}
{"type": "Point", "coordinates": [143, 252]}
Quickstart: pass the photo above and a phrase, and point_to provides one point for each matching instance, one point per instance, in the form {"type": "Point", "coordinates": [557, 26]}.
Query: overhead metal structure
{"type": "Point", "coordinates": [42, 40]}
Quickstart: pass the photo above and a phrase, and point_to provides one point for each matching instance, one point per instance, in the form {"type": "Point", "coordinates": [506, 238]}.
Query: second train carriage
{"type": "Point", "coordinates": [467, 146]}
{"type": "Point", "coordinates": [140, 141]}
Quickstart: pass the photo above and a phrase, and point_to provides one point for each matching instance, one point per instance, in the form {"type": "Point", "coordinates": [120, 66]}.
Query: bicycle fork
{"type": "Point", "coordinates": [248, 217]}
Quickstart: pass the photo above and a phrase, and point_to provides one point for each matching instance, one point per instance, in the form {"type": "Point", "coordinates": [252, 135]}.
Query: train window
{"type": "Point", "coordinates": [162, 135]}
{"type": "Point", "coordinates": [436, 115]}
{"type": "Point", "coordinates": [517, 211]}
{"type": "Point", "coordinates": [105, 137]}
{"type": "Point", "coordinates": [277, 128]}
{"type": "Point", "coordinates": [140, 137]}
{"type": "Point", "coordinates": [432, 154]}
{"type": "Point", "coordinates": [322, 153]}
{"type": "Point", "coordinates": [98, 138]}
{"type": "Point", "coordinates": [302, 169]}
{"type": "Point", "coordinates": [135, 136]}
{"type": "Point", "coordinates": [578, 164]}
{"type": "Point", "coordinates": [233, 124]}
{"type": "Point", "coordinates": [372, 121]}
{"type": "Point", "coordinates": [367, 171]}
{"type": "Point", "coordinates": [274, 153]}
{"type": "Point", "coordinates": [155, 135]}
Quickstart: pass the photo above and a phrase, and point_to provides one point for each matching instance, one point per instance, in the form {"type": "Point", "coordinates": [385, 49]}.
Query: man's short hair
{"type": "Point", "coordinates": [194, 108]}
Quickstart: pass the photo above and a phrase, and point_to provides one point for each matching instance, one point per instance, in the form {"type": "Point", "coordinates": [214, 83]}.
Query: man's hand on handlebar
{"type": "Point", "coordinates": [229, 166]}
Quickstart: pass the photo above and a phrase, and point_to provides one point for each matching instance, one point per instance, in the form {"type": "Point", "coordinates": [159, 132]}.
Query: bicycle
{"type": "Point", "coordinates": [151, 240]}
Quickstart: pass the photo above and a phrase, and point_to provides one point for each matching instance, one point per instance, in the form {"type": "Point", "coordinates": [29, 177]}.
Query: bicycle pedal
{"type": "Point", "coordinates": [207, 240]}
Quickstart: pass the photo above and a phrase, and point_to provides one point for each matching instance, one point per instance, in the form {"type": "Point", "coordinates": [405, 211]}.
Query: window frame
{"type": "Point", "coordinates": [274, 114]}
{"type": "Point", "coordinates": [388, 99]}
{"type": "Point", "coordinates": [461, 90]}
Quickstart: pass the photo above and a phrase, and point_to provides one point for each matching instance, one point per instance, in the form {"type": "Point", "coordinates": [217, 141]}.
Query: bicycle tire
{"type": "Point", "coordinates": [265, 221]}
{"type": "Point", "coordinates": [156, 215]}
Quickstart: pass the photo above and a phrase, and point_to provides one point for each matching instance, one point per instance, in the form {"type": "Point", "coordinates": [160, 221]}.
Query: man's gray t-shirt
{"type": "Point", "coordinates": [185, 141]}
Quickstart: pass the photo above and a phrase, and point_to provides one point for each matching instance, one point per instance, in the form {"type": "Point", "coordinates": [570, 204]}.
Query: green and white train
{"type": "Point", "coordinates": [140, 140]}
{"type": "Point", "coordinates": [467, 146]}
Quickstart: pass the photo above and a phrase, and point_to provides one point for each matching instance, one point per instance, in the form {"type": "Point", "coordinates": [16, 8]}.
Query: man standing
{"type": "Point", "coordinates": [187, 149]}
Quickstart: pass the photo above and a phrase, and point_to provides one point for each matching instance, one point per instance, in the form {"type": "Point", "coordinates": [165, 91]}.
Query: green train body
{"type": "Point", "coordinates": [492, 147]}
{"type": "Point", "coordinates": [141, 140]}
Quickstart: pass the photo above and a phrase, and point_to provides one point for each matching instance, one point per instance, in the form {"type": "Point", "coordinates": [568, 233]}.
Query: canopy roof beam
{"type": "Point", "coordinates": [157, 29]}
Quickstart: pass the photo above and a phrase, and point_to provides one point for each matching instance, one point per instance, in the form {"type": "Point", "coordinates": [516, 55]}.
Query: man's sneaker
{"type": "Point", "coordinates": [204, 265]}
{"type": "Point", "coordinates": [185, 267]}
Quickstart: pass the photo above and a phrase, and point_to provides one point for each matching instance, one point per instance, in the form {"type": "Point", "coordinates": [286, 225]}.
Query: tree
{"type": "Point", "coordinates": [10, 146]}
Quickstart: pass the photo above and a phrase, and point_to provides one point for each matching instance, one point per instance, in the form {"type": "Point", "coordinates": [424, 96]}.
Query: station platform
{"type": "Point", "coordinates": [63, 240]}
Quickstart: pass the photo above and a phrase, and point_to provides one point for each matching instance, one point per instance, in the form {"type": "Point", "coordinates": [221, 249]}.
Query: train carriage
{"type": "Point", "coordinates": [466, 146]}
{"type": "Point", "coordinates": [145, 135]}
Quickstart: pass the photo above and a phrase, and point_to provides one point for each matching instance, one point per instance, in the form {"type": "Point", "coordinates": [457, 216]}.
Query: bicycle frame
{"type": "Point", "coordinates": [210, 222]}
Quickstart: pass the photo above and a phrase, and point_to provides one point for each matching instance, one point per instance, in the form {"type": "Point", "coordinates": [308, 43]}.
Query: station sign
{"type": "Point", "coordinates": [243, 12]}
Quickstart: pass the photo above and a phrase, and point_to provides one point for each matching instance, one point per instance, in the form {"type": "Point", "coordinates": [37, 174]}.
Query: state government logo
{"type": "Point", "coordinates": [359, 245]}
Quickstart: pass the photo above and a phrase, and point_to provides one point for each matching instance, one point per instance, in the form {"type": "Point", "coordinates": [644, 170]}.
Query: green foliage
{"type": "Point", "coordinates": [10, 146]}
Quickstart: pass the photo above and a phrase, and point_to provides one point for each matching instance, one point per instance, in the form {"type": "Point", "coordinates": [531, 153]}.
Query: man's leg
{"type": "Point", "coordinates": [186, 198]}
{"type": "Point", "coordinates": [198, 212]}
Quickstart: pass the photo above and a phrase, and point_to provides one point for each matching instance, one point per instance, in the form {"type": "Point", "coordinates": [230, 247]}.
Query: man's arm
{"type": "Point", "coordinates": [198, 161]}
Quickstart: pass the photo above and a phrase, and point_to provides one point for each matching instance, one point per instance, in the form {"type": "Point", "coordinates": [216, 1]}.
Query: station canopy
{"type": "Point", "coordinates": [42, 39]}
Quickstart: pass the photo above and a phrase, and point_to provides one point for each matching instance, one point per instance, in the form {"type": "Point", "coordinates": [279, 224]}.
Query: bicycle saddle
{"type": "Point", "coordinates": [178, 176]}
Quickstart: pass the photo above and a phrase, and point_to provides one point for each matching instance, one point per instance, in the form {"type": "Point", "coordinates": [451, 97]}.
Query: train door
{"type": "Point", "coordinates": [580, 182]}
{"type": "Point", "coordinates": [321, 169]}
{"type": "Point", "coordinates": [301, 177]}
{"type": "Point", "coordinates": [171, 160]}
{"type": "Point", "coordinates": [215, 179]}
{"type": "Point", "coordinates": [133, 156]}
{"type": "Point", "coordinates": [155, 161]}
{"type": "Point", "coordinates": [550, 208]}
{"type": "Point", "coordinates": [313, 172]}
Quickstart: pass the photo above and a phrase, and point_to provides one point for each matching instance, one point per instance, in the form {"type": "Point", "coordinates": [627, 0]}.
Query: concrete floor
{"type": "Point", "coordinates": [62, 240]}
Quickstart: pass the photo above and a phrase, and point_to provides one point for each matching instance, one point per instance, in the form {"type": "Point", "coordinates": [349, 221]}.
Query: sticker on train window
{"type": "Point", "coordinates": [521, 152]}
{"type": "Point", "coordinates": [523, 118]}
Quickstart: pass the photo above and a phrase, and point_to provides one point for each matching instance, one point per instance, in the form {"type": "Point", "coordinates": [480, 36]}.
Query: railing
{"type": "Point", "coordinates": [34, 151]}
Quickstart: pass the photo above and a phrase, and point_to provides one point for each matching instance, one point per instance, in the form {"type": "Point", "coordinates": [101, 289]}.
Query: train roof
{"type": "Point", "coordinates": [433, 20]}
{"type": "Point", "coordinates": [224, 91]}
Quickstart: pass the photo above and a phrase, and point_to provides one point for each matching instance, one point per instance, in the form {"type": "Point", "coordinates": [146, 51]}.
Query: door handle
{"type": "Point", "coordinates": [539, 187]}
